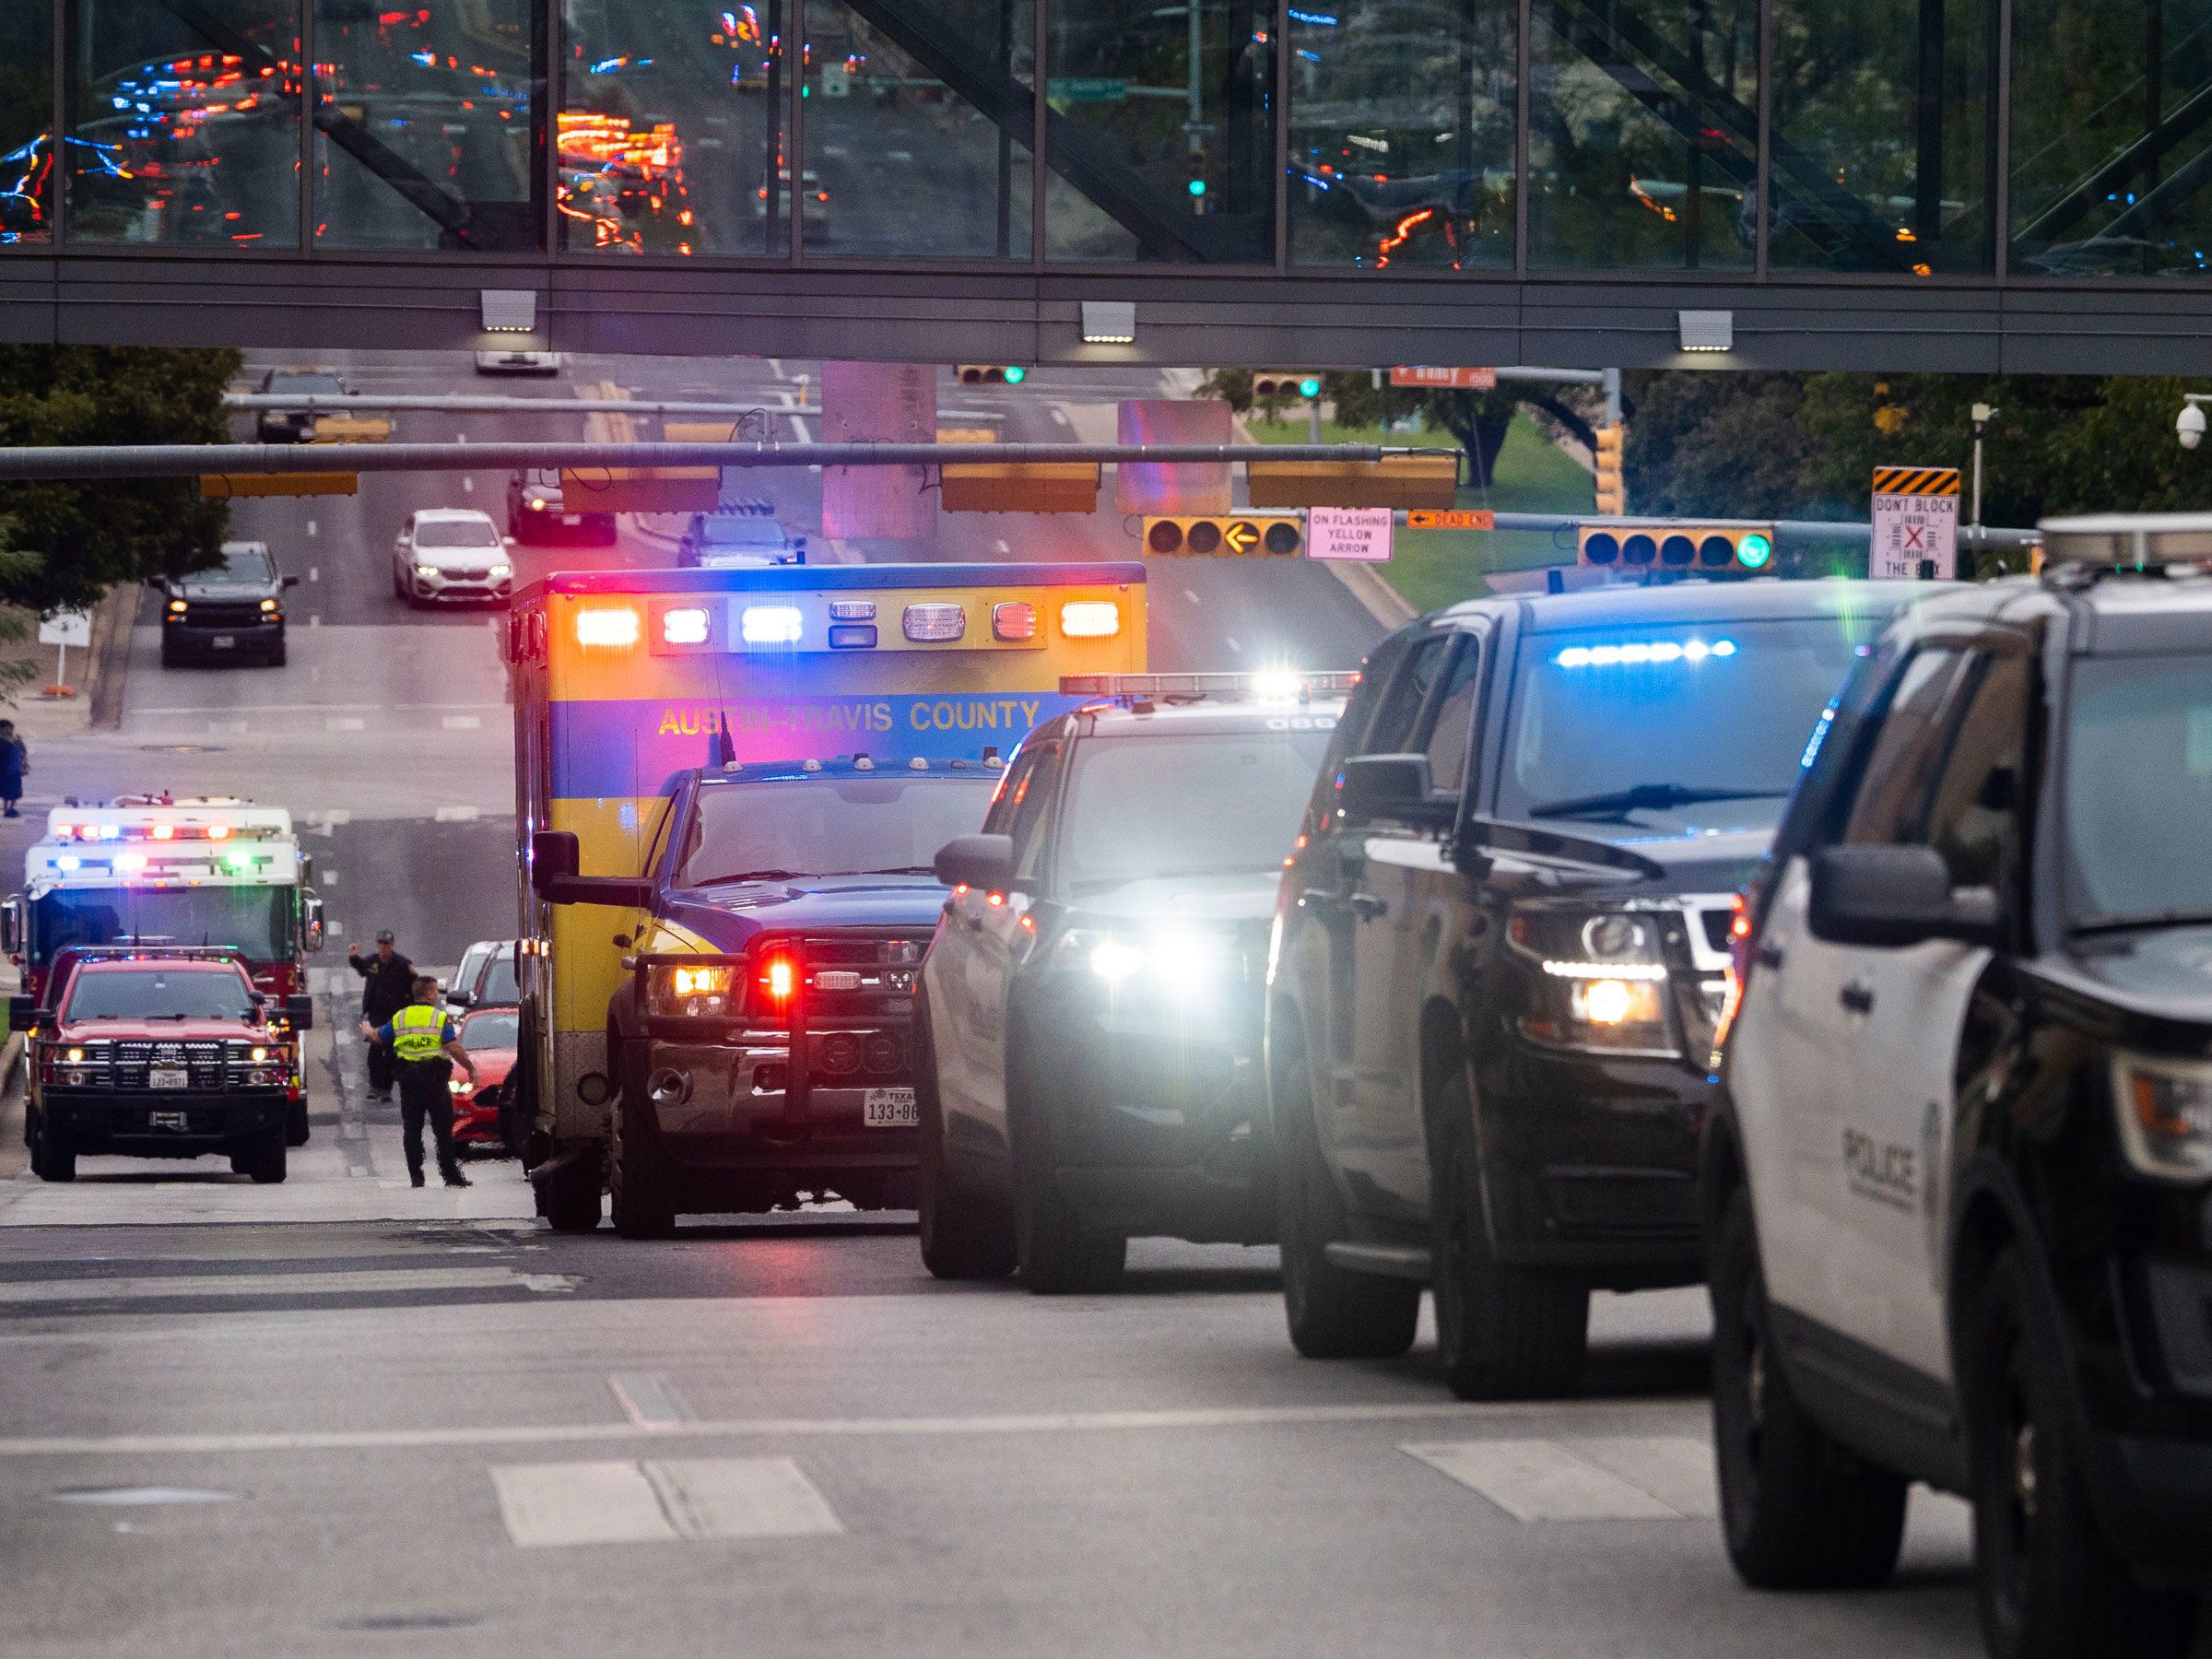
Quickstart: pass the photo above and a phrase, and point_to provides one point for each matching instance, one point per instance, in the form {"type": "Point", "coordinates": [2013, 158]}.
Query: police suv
{"type": "Point", "coordinates": [1958, 1182]}
{"type": "Point", "coordinates": [1500, 949]}
{"type": "Point", "coordinates": [1090, 1013]}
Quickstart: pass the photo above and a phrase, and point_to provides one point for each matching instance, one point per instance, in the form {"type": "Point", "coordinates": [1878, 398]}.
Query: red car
{"type": "Point", "coordinates": [490, 1036]}
{"type": "Point", "coordinates": [168, 1053]}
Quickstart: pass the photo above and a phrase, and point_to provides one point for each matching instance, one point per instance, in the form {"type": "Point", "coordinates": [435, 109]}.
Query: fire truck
{"type": "Point", "coordinates": [152, 869]}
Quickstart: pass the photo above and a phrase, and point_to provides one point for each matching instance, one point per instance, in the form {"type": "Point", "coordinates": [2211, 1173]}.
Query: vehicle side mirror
{"type": "Point", "coordinates": [977, 860]}
{"type": "Point", "coordinates": [11, 924]}
{"type": "Point", "coordinates": [1892, 896]}
{"type": "Point", "coordinates": [461, 999]}
{"type": "Point", "coordinates": [506, 541]}
{"type": "Point", "coordinates": [299, 1009]}
{"type": "Point", "coordinates": [555, 859]}
{"type": "Point", "coordinates": [1388, 787]}
{"type": "Point", "coordinates": [289, 581]}
{"type": "Point", "coordinates": [24, 1014]}
{"type": "Point", "coordinates": [311, 929]}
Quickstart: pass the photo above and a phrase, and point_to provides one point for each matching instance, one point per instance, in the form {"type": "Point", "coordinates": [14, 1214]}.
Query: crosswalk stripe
{"type": "Point", "coordinates": [660, 1500]}
{"type": "Point", "coordinates": [649, 1399]}
{"type": "Point", "coordinates": [1542, 1480]}
{"type": "Point", "coordinates": [365, 1281]}
{"type": "Point", "coordinates": [1673, 1468]}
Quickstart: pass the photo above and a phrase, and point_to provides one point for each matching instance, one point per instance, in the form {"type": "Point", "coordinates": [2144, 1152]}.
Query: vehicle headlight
{"type": "Point", "coordinates": [459, 1084]}
{"type": "Point", "coordinates": [1601, 978]}
{"type": "Point", "coordinates": [1180, 963]}
{"type": "Point", "coordinates": [2165, 1110]}
{"type": "Point", "coordinates": [426, 570]}
{"type": "Point", "coordinates": [502, 570]}
{"type": "Point", "coordinates": [268, 606]}
{"type": "Point", "coordinates": [704, 990]}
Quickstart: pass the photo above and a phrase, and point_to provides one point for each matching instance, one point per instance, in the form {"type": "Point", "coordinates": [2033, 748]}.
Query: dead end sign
{"type": "Point", "coordinates": [1915, 521]}
{"type": "Point", "coordinates": [1355, 533]}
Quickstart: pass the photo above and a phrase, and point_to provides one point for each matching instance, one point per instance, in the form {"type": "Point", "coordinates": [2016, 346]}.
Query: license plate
{"type": "Point", "coordinates": [889, 1109]}
{"type": "Point", "coordinates": [169, 1077]}
{"type": "Point", "coordinates": [165, 1120]}
{"type": "Point", "coordinates": [223, 641]}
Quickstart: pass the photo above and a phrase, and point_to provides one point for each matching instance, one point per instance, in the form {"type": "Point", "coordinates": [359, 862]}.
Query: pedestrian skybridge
{"type": "Point", "coordinates": [1969, 185]}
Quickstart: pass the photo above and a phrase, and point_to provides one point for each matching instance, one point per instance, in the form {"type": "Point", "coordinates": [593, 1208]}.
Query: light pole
{"type": "Point", "coordinates": [1981, 413]}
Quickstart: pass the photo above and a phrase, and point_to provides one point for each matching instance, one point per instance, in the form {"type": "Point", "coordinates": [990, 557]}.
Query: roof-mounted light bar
{"type": "Point", "coordinates": [2141, 539]}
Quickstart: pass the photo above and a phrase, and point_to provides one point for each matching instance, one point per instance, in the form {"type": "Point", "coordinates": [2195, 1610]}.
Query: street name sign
{"type": "Point", "coordinates": [1458, 518]}
{"type": "Point", "coordinates": [1450, 380]}
{"type": "Point", "coordinates": [1915, 521]}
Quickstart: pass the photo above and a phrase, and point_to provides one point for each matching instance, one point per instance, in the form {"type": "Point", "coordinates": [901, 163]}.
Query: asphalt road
{"type": "Point", "coordinates": [342, 1417]}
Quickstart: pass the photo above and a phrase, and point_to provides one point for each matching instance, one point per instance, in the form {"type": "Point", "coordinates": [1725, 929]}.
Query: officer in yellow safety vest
{"type": "Point", "coordinates": [424, 1049]}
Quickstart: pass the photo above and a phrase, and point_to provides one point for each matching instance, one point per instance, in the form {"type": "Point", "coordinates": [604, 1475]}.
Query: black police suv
{"type": "Point", "coordinates": [759, 1049]}
{"type": "Point", "coordinates": [1958, 1178]}
{"type": "Point", "coordinates": [294, 426]}
{"type": "Point", "coordinates": [1090, 1009]}
{"type": "Point", "coordinates": [229, 613]}
{"type": "Point", "coordinates": [1500, 948]}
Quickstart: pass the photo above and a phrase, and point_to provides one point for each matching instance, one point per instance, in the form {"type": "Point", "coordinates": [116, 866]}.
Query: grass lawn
{"type": "Point", "coordinates": [1434, 568]}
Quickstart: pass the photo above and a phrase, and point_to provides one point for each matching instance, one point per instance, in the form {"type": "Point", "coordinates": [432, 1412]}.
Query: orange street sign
{"type": "Point", "coordinates": [1451, 379]}
{"type": "Point", "coordinates": [1459, 518]}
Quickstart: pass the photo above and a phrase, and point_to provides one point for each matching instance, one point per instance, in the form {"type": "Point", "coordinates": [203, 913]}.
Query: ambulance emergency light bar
{"type": "Point", "coordinates": [152, 820]}
{"type": "Point", "coordinates": [1263, 685]}
{"type": "Point", "coordinates": [708, 625]}
{"type": "Point", "coordinates": [156, 863]}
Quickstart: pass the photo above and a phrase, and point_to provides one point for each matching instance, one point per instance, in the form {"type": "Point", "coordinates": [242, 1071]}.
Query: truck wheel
{"type": "Point", "coordinates": [2046, 1582]}
{"type": "Point", "coordinates": [639, 1181]}
{"type": "Point", "coordinates": [569, 1198]}
{"type": "Point", "coordinates": [1332, 1314]}
{"type": "Point", "coordinates": [1502, 1332]}
{"type": "Point", "coordinates": [242, 1163]}
{"type": "Point", "coordinates": [52, 1158]}
{"type": "Point", "coordinates": [277, 655]}
{"type": "Point", "coordinates": [297, 1130]}
{"type": "Point", "coordinates": [1058, 1256]}
{"type": "Point", "coordinates": [265, 1158]}
{"type": "Point", "coordinates": [1799, 1510]}
{"type": "Point", "coordinates": [171, 655]}
{"type": "Point", "coordinates": [964, 1234]}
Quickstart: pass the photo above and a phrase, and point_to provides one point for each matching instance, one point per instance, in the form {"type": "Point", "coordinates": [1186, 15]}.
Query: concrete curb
{"type": "Point", "coordinates": [111, 660]}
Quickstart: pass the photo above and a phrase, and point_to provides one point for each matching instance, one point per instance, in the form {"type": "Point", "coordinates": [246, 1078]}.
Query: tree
{"type": "Point", "coordinates": [73, 540]}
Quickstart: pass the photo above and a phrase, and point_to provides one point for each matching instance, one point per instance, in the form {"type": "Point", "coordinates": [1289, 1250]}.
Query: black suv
{"type": "Point", "coordinates": [1091, 1003]}
{"type": "Point", "coordinates": [294, 426]}
{"type": "Point", "coordinates": [1500, 950]}
{"type": "Point", "coordinates": [1958, 1178]}
{"type": "Point", "coordinates": [229, 612]}
{"type": "Point", "coordinates": [538, 510]}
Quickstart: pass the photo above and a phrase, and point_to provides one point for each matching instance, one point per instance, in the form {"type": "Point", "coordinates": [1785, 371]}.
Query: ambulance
{"type": "Point", "coordinates": [732, 784]}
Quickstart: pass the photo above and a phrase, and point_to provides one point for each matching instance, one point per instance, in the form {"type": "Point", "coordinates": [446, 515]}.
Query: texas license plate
{"type": "Point", "coordinates": [165, 1120]}
{"type": "Point", "coordinates": [889, 1109]}
{"type": "Point", "coordinates": [169, 1077]}
{"type": "Point", "coordinates": [224, 642]}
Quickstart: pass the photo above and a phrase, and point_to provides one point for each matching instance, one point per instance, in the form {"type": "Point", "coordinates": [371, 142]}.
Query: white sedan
{"type": "Point", "coordinates": [518, 362]}
{"type": "Point", "coordinates": [452, 554]}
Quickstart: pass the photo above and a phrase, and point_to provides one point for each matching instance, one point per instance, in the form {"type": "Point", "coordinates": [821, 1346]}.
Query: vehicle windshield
{"type": "Point", "coordinates": [844, 826]}
{"type": "Point", "coordinates": [2138, 790]}
{"type": "Point", "coordinates": [158, 993]}
{"type": "Point", "coordinates": [500, 985]}
{"type": "Point", "coordinates": [496, 1030]}
{"type": "Point", "coordinates": [241, 567]}
{"type": "Point", "coordinates": [455, 532]}
{"type": "Point", "coordinates": [1178, 806]}
{"type": "Point", "coordinates": [306, 383]}
{"type": "Point", "coordinates": [256, 920]}
{"type": "Point", "coordinates": [1688, 724]}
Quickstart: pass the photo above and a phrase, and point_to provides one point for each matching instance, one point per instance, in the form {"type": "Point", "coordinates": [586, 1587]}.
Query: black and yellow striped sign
{"type": "Point", "coordinates": [1916, 480]}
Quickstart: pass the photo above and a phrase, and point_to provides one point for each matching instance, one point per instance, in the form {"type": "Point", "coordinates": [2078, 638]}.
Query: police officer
{"type": "Point", "coordinates": [424, 1049]}
{"type": "Point", "coordinates": [385, 979]}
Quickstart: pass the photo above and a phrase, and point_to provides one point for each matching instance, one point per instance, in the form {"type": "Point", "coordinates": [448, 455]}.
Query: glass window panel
{"type": "Point", "coordinates": [672, 135]}
{"type": "Point", "coordinates": [1402, 134]}
{"type": "Point", "coordinates": [1880, 157]}
{"type": "Point", "coordinates": [918, 119]}
{"type": "Point", "coordinates": [424, 131]}
{"type": "Point", "coordinates": [25, 124]}
{"type": "Point", "coordinates": [2110, 143]}
{"type": "Point", "coordinates": [1643, 134]}
{"type": "Point", "coordinates": [184, 125]}
{"type": "Point", "coordinates": [1160, 125]}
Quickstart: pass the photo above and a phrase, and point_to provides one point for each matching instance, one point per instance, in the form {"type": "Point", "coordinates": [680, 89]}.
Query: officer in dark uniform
{"type": "Point", "coordinates": [388, 975]}
{"type": "Point", "coordinates": [424, 1049]}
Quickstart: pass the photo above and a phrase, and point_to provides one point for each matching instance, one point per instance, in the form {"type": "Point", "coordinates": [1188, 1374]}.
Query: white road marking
{"type": "Point", "coordinates": [1548, 1480]}
{"type": "Point", "coordinates": [1675, 1469]}
{"type": "Point", "coordinates": [325, 878]}
{"type": "Point", "coordinates": [1060, 416]}
{"type": "Point", "coordinates": [660, 1502]}
{"type": "Point", "coordinates": [28, 1292]}
{"type": "Point", "coordinates": [336, 930]}
{"type": "Point", "coordinates": [649, 1399]}
{"type": "Point", "coordinates": [799, 430]}
{"type": "Point", "coordinates": [345, 722]}
{"type": "Point", "coordinates": [525, 1434]}
{"type": "Point", "coordinates": [315, 619]}
{"type": "Point", "coordinates": [314, 572]}
{"type": "Point", "coordinates": [1229, 641]}
{"type": "Point", "coordinates": [468, 484]}
{"type": "Point", "coordinates": [1000, 545]}
{"type": "Point", "coordinates": [129, 1497]}
{"type": "Point", "coordinates": [1191, 595]}
{"type": "Point", "coordinates": [313, 529]}
{"type": "Point", "coordinates": [775, 367]}
{"type": "Point", "coordinates": [458, 815]}
{"type": "Point", "coordinates": [462, 722]}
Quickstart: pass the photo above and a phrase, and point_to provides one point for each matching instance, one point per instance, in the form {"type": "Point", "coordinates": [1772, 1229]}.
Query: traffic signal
{"type": "Point", "coordinates": [1660, 544]}
{"type": "Point", "coordinates": [990, 374]}
{"type": "Point", "coordinates": [1228, 535]}
{"type": "Point", "coordinates": [1612, 487]}
{"type": "Point", "coordinates": [1269, 384]}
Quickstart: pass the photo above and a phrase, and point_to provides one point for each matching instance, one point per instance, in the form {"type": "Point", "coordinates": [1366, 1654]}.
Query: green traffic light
{"type": "Point", "coordinates": [1016, 375]}
{"type": "Point", "coordinates": [1310, 386]}
{"type": "Point", "coordinates": [1755, 551]}
{"type": "Point", "coordinates": [1197, 187]}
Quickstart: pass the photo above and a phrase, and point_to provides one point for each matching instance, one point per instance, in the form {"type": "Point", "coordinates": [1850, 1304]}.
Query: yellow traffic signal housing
{"type": "Point", "coordinates": [1671, 545]}
{"type": "Point", "coordinates": [1612, 484]}
{"type": "Point", "coordinates": [1020, 486]}
{"type": "Point", "coordinates": [1393, 481]}
{"type": "Point", "coordinates": [1227, 536]}
{"type": "Point", "coordinates": [227, 486]}
{"type": "Point", "coordinates": [1268, 384]}
{"type": "Point", "coordinates": [351, 429]}
{"type": "Point", "coordinates": [641, 488]}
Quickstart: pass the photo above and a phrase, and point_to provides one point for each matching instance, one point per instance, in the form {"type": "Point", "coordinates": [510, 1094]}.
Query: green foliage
{"type": "Point", "coordinates": [75, 540]}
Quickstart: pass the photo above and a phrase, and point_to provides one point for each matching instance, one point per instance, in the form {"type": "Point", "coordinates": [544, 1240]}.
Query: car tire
{"type": "Point", "coordinates": [1502, 1332]}
{"type": "Point", "coordinates": [1056, 1253]}
{"type": "Point", "coordinates": [1799, 1510]}
{"type": "Point", "coordinates": [1333, 1314]}
{"type": "Point", "coordinates": [265, 1158]}
{"type": "Point", "coordinates": [569, 1198]}
{"type": "Point", "coordinates": [53, 1157]}
{"type": "Point", "coordinates": [297, 1130]}
{"type": "Point", "coordinates": [277, 655]}
{"type": "Point", "coordinates": [964, 1234]}
{"type": "Point", "coordinates": [170, 656]}
{"type": "Point", "coordinates": [2047, 1584]}
{"type": "Point", "coordinates": [242, 1162]}
{"type": "Point", "coordinates": [399, 586]}
{"type": "Point", "coordinates": [639, 1180]}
